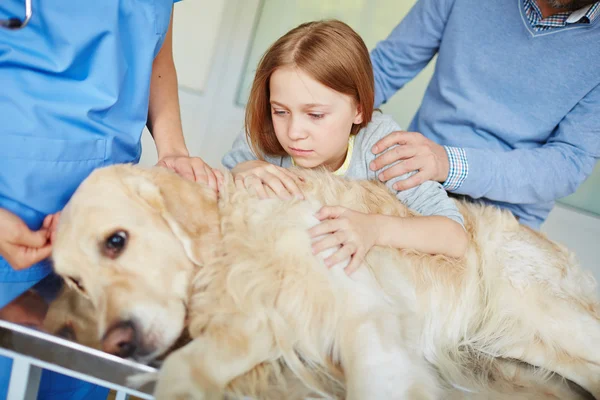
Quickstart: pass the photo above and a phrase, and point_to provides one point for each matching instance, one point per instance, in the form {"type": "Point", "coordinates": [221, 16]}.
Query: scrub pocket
{"type": "Point", "coordinates": [42, 173]}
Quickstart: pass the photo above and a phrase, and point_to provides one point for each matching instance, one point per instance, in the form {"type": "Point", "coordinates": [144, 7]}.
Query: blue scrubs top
{"type": "Point", "coordinates": [74, 91]}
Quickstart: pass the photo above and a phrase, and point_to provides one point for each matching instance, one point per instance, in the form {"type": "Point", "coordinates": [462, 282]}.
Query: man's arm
{"type": "Point", "coordinates": [409, 47]}
{"type": "Point", "coordinates": [543, 174]}
{"type": "Point", "coordinates": [164, 119]}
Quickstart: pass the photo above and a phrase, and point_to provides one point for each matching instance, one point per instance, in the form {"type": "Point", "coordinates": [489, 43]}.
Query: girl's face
{"type": "Point", "coordinates": [312, 122]}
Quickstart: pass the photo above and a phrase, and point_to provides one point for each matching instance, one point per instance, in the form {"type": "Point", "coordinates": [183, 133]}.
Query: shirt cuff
{"type": "Point", "coordinates": [459, 168]}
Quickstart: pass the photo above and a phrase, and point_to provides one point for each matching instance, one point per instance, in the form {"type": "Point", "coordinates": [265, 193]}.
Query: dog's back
{"type": "Point", "coordinates": [434, 306]}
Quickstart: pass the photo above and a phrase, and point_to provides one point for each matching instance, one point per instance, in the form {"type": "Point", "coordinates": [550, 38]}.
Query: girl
{"type": "Point", "coordinates": [311, 105]}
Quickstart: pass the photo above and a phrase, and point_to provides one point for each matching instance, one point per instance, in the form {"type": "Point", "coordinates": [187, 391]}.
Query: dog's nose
{"type": "Point", "coordinates": [121, 339]}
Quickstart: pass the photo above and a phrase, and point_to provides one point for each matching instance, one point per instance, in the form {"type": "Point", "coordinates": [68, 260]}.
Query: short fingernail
{"type": "Point", "coordinates": [397, 187]}
{"type": "Point", "coordinates": [372, 165]}
{"type": "Point", "coordinates": [374, 149]}
{"type": "Point", "coordinates": [380, 176]}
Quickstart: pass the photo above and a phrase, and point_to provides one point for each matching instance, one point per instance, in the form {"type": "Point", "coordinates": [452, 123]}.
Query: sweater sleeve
{"type": "Point", "coordinates": [545, 173]}
{"type": "Point", "coordinates": [428, 198]}
{"type": "Point", "coordinates": [240, 152]}
{"type": "Point", "coordinates": [409, 47]}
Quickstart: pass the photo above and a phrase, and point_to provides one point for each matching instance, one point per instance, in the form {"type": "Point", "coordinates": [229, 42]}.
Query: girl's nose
{"type": "Point", "coordinates": [296, 130]}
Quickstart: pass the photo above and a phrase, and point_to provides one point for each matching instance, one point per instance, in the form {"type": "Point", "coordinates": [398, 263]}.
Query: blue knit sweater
{"type": "Point", "coordinates": [524, 105]}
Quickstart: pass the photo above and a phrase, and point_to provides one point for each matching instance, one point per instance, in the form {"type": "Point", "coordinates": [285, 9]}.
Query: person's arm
{"type": "Point", "coordinates": [428, 234]}
{"type": "Point", "coordinates": [522, 176]}
{"type": "Point", "coordinates": [409, 47]}
{"type": "Point", "coordinates": [355, 233]}
{"type": "Point", "coordinates": [440, 227]}
{"type": "Point", "coordinates": [164, 119]}
{"type": "Point", "coordinates": [438, 230]}
{"type": "Point", "coordinates": [543, 174]}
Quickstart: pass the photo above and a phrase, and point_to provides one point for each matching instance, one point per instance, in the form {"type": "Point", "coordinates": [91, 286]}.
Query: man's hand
{"type": "Point", "coordinates": [192, 168]}
{"type": "Point", "coordinates": [416, 153]}
{"type": "Point", "coordinates": [20, 246]}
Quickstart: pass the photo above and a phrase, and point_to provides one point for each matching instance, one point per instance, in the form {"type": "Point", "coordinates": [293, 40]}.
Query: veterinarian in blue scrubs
{"type": "Point", "coordinates": [78, 83]}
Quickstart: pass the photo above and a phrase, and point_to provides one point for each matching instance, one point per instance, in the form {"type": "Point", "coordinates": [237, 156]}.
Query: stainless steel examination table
{"type": "Point", "coordinates": [23, 339]}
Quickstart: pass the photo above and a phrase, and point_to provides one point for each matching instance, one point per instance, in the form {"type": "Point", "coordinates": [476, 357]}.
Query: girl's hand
{"type": "Point", "coordinates": [354, 231]}
{"type": "Point", "coordinates": [267, 180]}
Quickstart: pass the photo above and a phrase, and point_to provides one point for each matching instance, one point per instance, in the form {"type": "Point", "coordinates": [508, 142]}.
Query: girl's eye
{"type": "Point", "coordinates": [278, 112]}
{"type": "Point", "coordinates": [316, 116]}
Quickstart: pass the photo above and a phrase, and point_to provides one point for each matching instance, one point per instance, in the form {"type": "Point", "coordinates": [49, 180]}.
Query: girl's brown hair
{"type": "Point", "coordinates": [329, 51]}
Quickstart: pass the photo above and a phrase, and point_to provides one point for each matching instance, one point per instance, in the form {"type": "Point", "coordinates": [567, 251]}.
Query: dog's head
{"type": "Point", "coordinates": [130, 239]}
{"type": "Point", "coordinates": [72, 316]}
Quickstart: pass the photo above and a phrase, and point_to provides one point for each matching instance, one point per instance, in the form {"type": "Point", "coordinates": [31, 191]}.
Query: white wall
{"type": "Point", "coordinates": [579, 232]}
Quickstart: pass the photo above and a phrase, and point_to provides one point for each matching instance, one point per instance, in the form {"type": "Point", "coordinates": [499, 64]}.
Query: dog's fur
{"type": "Point", "coordinates": [263, 310]}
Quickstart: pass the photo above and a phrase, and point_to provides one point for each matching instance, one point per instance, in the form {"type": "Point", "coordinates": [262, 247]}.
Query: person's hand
{"type": "Point", "coordinates": [267, 180]}
{"type": "Point", "coordinates": [20, 246]}
{"type": "Point", "coordinates": [192, 168]}
{"type": "Point", "coordinates": [354, 231]}
{"type": "Point", "coordinates": [50, 223]}
{"type": "Point", "coordinates": [416, 153]}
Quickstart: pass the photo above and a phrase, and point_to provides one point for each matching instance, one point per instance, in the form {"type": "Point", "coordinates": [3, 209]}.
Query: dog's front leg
{"type": "Point", "coordinates": [381, 364]}
{"type": "Point", "coordinates": [202, 369]}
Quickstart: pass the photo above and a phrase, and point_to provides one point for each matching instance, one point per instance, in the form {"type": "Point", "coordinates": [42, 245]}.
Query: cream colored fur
{"type": "Point", "coordinates": [270, 320]}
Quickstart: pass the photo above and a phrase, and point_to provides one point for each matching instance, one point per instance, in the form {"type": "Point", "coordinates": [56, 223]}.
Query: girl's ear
{"type": "Point", "coordinates": [358, 118]}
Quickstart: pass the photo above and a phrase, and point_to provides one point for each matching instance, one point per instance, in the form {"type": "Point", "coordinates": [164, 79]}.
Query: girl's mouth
{"type": "Point", "coordinates": [299, 152]}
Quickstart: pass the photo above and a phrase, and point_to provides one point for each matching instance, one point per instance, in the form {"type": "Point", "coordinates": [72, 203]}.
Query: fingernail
{"type": "Point", "coordinates": [374, 149]}
{"type": "Point", "coordinates": [372, 165]}
{"type": "Point", "coordinates": [380, 176]}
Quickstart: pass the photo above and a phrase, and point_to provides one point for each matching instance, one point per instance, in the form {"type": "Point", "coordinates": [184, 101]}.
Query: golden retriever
{"type": "Point", "coordinates": [152, 251]}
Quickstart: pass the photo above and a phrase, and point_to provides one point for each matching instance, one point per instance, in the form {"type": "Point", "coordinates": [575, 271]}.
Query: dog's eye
{"type": "Point", "coordinates": [114, 244]}
{"type": "Point", "coordinates": [77, 283]}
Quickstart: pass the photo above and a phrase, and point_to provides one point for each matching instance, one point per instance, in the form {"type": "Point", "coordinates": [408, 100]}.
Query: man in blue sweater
{"type": "Point", "coordinates": [512, 112]}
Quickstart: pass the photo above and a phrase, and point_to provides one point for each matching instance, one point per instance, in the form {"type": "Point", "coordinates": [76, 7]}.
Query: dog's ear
{"type": "Point", "coordinates": [189, 208]}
